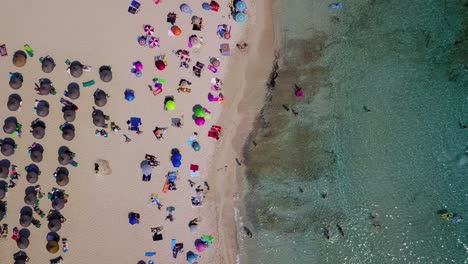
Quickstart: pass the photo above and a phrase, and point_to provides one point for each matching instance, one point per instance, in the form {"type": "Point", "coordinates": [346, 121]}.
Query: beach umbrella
{"type": "Point", "coordinates": [22, 243]}
{"type": "Point", "coordinates": [36, 155]}
{"type": "Point", "coordinates": [196, 20]}
{"type": "Point", "coordinates": [200, 246]}
{"type": "Point", "coordinates": [4, 171]}
{"type": "Point", "coordinates": [196, 146]}
{"type": "Point", "coordinates": [184, 8]}
{"type": "Point", "coordinates": [45, 88]}
{"type": "Point", "coordinates": [76, 69]}
{"type": "Point", "coordinates": [153, 42]}
{"type": "Point", "coordinates": [19, 59]}
{"type": "Point", "coordinates": [30, 199]}
{"type": "Point", "coordinates": [193, 227]}
{"type": "Point", "coordinates": [48, 65]}
{"type": "Point", "coordinates": [54, 225]}
{"type": "Point", "coordinates": [105, 73]}
{"type": "Point", "coordinates": [160, 65]}
{"type": "Point", "coordinates": [132, 220]}
{"type": "Point", "coordinates": [176, 30]}
{"type": "Point", "coordinates": [14, 102]}
{"type": "Point", "coordinates": [176, 163]}
{"type": "Point", "coordinates": [149, 30]}
{"type": "Point", "coordinates": [7, 149]}
{"type": "Point", "coordinates": [65, 158]}
{"type": "Point", "coordinates": [146, 169]}
{"type": "Point", "coordinates": [129, 95]}
{"type": "Point", "coordinates": [32, 176]}
{"type": "Point", "coordinates": [199, 111]}
{"type": "Point", "coordinates": [215, 62]}
{"type": "Point", "coordinates": [176, 156]}
{"type": "Point", "coordinates": [200, 121]}
{"type": "Point", "coordinates": [52, 246]}
{"type": "Point", "coordinates": [170, 209]}
{"type": "Point", "coordinates": [99, 120]}
{"type": "Point", "coordinates": [16, 81]}
{"type": "Point", "coordinates": [195, 41]}
{"type": "Point", "coordinates": [138, 66]}
{"type": "Point", "coordinates": [299, 93]}
{"type": "Point", "coordinates": [10, 125]}
{"type": "Point", "coordinates": [42, 108]}
{"type": "Point", "coordinates": [25, 220]}
{"type": "Point", "coordinates": [68, 133]}
{"type": "Point", "coordinates": [241, 6]}
{"type": "Point", "coordinates": [58, 204]}
{"type": "Point", "coordinates": [73, 90]}
{"type": "Point", "coordinates": [192, 257]}
{"type": "Point", "coordinates": [206, 6]}
{"type": "Point", "coordinates": [69, 115]}
{"type": "Point", "coordinates": [38, 132]}
{"type": "Point", "coordinates": [100, 98]}
{"type": "Point", "coordinates": [62, 179]}
{"type": "Point", "coordinates": [170, 105]}
{"type": "Point", "coordinates": [240, 18]}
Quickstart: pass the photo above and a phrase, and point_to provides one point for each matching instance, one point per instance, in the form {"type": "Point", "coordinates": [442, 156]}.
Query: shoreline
{"type": "Point", "coordinates": [230, 182]}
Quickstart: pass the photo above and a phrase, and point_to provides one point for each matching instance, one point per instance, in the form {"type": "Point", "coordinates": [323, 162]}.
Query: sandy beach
{"type": "Point", "coordinates": [104, 33]}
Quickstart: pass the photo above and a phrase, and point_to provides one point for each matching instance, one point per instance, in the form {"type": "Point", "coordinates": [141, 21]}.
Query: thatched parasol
{"type": "Point", "coordinates": [100, 98]}
{"type": "Point", "coordinates": [52, 247]}
{"type": "Point", "coordinates": [16, 81]}
{"type": "Point", "coordinates": [32, 176]}
{"type": "Point", "coordinates": [25, 220]}
{"type": "Point", "coordinates": [14, 102]}
{"type": "Point", "coordinates": [30, 199]}
{"type": "Point", "coordinates": [45, 88]}
{"type": "Point", "coordinates": [10, 125]}
{"type": "Point", "coordinates": [36, 155]}
{"type": "Point", "coordinates": [38, 132]}
{"type": "Point", "coordinates": [105, 73]}
{"type": "Point", "coordinates": [54, 225]}
{"type": "Point", "coordinates": [76, 69]}
{"type": "Point", "coordinates": [68, 133]}
{"type": "Point", "coordinates": [42, 109]}
{"type": "Point", "coordinates": [48, 64]}
{"type": "Point", "coordinates": [73, 90]}
{"type": "Point", "coordinates": [64, 158]}
{"type": "Point", "coordinates": [19, 59]}
{"type": "Point", "coordinates": [22, 243]}
{"type": "Point", "coordinates": [62, 179]}
{"type": "Point", "coordinates": [69, 115]}
{"type": "Point", "coordinates": [58, 204]}
{"type": "Point", "coordinates": [99, 118]}
{"type": "Point", "coordinates": [7, 149]}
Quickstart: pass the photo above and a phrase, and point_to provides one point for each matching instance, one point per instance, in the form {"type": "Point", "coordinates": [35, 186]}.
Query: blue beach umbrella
{"type": "Point", "coordinates": [176, 163]}
{"type": "Point", "coordinates": [240, 18]}
{"type": "Point", "coordinates": [184, 8]}
{"type": "Point", "coordinates": [196, 146]}
{"type": "Point", "coordinates": [129, 95]}
{"type": "Point", "coordinates": [176, 156]}
{"type": "Point", "coordinates": [132, 220]}
{"type": "Point", "coordinates": [206, 6]}
{"type": "Point", "coordinates": [241, 6]}
{"type": "Point", "coordinates": [192, 257]}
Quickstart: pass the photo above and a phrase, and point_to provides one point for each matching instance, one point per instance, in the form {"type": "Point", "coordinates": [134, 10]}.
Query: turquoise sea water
{"type": "Point", "coordinates": [394, 165]}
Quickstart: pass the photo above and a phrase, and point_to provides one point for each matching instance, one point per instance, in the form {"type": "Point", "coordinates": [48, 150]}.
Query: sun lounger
{"type": "Point", "coordinates": [89, 83]}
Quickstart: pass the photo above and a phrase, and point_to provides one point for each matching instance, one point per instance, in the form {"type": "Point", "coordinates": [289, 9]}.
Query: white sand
{"type": "Point", "coordinates": [103, 33]}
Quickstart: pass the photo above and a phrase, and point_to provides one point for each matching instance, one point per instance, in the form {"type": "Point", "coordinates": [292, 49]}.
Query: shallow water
{"type": "Point", "coordinates": [335, 163]}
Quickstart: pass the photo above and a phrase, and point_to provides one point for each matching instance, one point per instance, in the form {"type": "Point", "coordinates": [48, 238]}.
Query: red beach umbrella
{"type": "Point", "coordinates": [148, 29]}
{"type": "Point", "coordinates": [160, 65]}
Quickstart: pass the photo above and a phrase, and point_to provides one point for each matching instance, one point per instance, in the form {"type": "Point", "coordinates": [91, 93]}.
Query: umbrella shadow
{"type": "Point", "coordinates": [32, 167]}
{"type": "Point", "coordinates": [11, 119]}
{"type": "Point", "coordinates": [30, 189]}
{"type": "Point", "coordinates": [174, 151]}
{"type": "Point", "coordinates": [24, 232]}
{"type": "Point", "coordinates": [38, 147]}
{"type": "Point", "coordinates": [45, 81]}
{"type": "Point", "coordinates": [8, 141]}
{"type": "Point", "coordinates": [26, 210]}
{"type": "Point", "coordinates": [38, 123]}
{"type": "Point", "coordinates": [5, 163]}
{"type": "Point", "coordinates": [63, 149]}
{"type": "Point", "coordinates": [62, 170]}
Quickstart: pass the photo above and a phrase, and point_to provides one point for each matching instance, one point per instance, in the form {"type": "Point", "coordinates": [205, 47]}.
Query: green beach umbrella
{"type": "Point", "coordinates": [170, 105]}
{"type": "Point", "coordinates": [199, 112]}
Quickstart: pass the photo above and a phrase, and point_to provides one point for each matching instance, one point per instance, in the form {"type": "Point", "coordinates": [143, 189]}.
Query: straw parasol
{"type": "Point", "coordinates": [52, 246]}
{"type": "Point", "coordinates": [38, 132]}
{"type": "Point", "coordinates": [99, 119]}
{"type": "Point", "coordinates": [64, 158]}
{"type": "Point", "coordinates": [42, 108]}
{"type": "Point", "coordinates": [76, 69]}
{"type": "Point", "coordinates": [25, 220]}
{"type": "Point", "coordinates": [100, 98]}
{"type": "Point", "coordinates": [32, 176]}
{"type": "Point", "coordinates": [36, 155]}
{"type": "Point", "coordinates": [69, 115]}
{"type": "Point", "coordinates": [45, 88]}
{"type": "Point", "coordinates": [22, 243]}
{"type": "Point", "coordinates": [19, 59]}
{"type": "Point", "coordinates": [62, 179]}
{"type": "Point", "coordinates": [16, 81]}
{"type": "Point", "coordinates": [68, 133]}
{"type": "Point", "coordinates": [48, 65]}
{"type": "Point", "coordinates": [105, 73]}
{"type": "Point", "coordinates": [54, 225]}
{"type": "Point", "coordinates": [30, 199]}
{"type": "Point", "coordinates": [14, 102]}
{"type": "Point", "coordinates": [58, 204]}
{"type": "Point", "coordinates": [7, 149]}
{"type": "Point", "coordinates": [10, 125]}
{"type": "Point", "coordinates": [73, 90]}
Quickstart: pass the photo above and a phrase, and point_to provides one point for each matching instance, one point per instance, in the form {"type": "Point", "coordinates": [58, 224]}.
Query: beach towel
{"type": "Point", "coordinates": [212, 68]}
{"type": "Point", "coordinates": [29, 50]}
{"type": "Point", "coordinates": [89, 83]}
{"type": "Point", "coordinates": [166, 187]}
{"type": "Point", "coordinates": [173, 243]}
{"type": "Point", "coordinates": [150, 254]}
